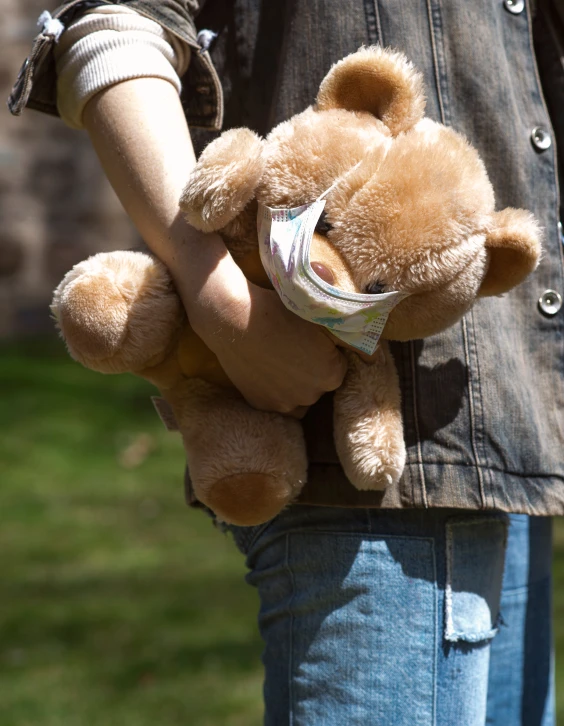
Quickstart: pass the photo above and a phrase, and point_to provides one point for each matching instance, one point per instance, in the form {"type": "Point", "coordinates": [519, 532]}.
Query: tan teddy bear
{"type": "Point", "coordinates": [409, 208]}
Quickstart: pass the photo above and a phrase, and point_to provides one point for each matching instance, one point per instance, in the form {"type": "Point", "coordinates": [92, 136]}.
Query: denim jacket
{"type": "Point", "coordinates": [483, 402]}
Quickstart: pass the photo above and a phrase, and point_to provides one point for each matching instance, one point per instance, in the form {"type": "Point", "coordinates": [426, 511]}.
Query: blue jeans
{"type": "Point", "coordinates": [403, 617]}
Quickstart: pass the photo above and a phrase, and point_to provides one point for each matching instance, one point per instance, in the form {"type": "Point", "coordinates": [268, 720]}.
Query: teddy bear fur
{"type": "Point", "coordinates": [411, 209]}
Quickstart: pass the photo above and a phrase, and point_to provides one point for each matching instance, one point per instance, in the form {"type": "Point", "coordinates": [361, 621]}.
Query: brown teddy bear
{"type": "Point", "coordinates": [409, 208]}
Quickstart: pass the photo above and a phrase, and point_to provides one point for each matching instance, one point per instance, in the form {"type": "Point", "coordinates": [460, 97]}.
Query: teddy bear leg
{"type": "Point", "coordinates": [368, 425]}
{"type": "Point", "coordinates": [245, 465]}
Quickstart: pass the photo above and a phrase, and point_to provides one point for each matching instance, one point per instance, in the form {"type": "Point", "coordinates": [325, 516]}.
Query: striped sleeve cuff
{"type": "Point", "coordinates": [103, 49]}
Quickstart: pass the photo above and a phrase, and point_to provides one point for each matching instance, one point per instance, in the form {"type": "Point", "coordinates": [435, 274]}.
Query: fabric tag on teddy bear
{"type": "Point", "coordinates": [166, 414]}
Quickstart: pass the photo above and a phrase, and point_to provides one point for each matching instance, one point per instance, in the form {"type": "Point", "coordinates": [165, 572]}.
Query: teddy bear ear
{"type": "Point", "coordinates": [379, 81]}
{"type": "Point", "coordinates": [514, 247]}
{"type": "Point", "coordinates": [224, 180]}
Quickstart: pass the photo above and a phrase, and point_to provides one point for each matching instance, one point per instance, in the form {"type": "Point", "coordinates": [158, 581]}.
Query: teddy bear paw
{"type": "Point", "coordinates": [375, 470]}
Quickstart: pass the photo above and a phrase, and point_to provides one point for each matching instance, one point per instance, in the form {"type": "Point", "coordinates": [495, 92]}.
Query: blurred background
{"type": "Point", "coordinates": [118, 604]}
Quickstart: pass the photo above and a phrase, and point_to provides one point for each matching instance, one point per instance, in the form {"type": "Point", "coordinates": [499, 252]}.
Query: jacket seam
{"type": "Point", "coordinates": [378, 23]}
{"type": "Point", "coordinates": [373, 26]}
{"type": "Point", "coordinates": [549, 121]}
{"type": "Point", "coordinates": [480, 403]}
{"type": "Point", "coordinates": [419, 460]}
{"type": "Point", "coordinates": [471, 411]}
{"type": "Point", "coordinates": [445, 116]}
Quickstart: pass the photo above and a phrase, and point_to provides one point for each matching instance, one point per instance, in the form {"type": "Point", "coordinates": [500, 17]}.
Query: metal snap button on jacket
{"type": "Point", "coordinates": [550, 302]}
{"type": "Point", "coordinates": [514, 6]}
{"type": "Point", "coordinates": [541, 138]}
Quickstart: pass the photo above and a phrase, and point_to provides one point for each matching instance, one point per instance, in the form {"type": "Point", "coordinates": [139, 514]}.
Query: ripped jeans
{"type": "Point", "coordinates": [388, 618]}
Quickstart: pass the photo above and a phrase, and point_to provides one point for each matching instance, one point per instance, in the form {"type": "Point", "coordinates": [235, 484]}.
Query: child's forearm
{"type": "Point", "coordinates": [140, 134]}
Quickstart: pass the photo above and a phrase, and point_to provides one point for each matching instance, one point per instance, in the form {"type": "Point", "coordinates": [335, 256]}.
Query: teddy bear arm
{"type": "Point", "coordinates": [224, 180]}
{"type": "Point", "coordinates": [368, 424]}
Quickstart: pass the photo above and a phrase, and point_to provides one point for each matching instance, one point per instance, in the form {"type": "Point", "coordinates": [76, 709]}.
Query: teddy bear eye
{"type": "Point", "coordinates": [323, 226]}
{"type": "Point", "coordinates": [375, 288]}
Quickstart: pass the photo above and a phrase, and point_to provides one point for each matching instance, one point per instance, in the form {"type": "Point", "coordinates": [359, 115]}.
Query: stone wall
{"type": "Point", "coordinates": [56, 207]}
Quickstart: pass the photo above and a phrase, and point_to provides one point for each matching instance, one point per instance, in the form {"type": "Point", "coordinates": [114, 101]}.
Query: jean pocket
{"type": "Point", "coordinates": [475, 556]}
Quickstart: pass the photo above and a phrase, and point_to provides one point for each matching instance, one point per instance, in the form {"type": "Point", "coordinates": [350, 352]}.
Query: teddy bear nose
{"type": "Point", "coordinates": [324, 272]}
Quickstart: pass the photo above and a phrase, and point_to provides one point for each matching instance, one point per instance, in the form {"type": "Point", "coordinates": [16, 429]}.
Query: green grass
{"type": "Point", "coordinates": [119, 606]}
